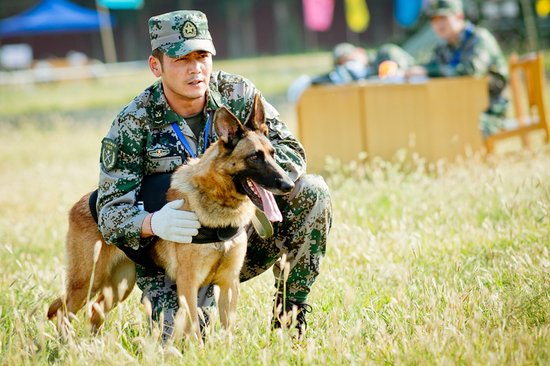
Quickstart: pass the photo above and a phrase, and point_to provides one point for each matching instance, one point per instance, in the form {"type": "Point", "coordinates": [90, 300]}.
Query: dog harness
{"type": "Point", "coordinates": [152, 194]}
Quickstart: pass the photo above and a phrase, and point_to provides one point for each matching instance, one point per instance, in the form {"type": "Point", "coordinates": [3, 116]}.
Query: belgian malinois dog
{"type": "Point", "coordinates": [235, 175]}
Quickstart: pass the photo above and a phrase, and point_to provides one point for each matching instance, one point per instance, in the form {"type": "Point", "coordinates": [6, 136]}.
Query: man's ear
{"type": "Point", "coordinates": [155, 65]}
{"type": "Point", "coordinates": [228, 127]}
{"type": "Point", "coordinates": [256, 121]}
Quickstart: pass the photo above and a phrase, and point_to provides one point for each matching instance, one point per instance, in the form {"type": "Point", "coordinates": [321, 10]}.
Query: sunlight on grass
{"type": "Point", "coordinates": [426, 264]}
{"type": "Point", "coordinates": [272, 75]}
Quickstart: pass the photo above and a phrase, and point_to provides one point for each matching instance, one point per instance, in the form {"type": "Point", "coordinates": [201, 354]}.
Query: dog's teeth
{"type": "Point", "coordinates": [252, 187]}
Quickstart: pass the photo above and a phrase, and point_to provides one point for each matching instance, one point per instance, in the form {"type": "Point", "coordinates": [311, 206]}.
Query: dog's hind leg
{"type": "Point", "coordinates": [78, 288]}
{"type": "Point", "coordinates": [117, 286]}
{"type": "Point", "coordinates": [81, 245]}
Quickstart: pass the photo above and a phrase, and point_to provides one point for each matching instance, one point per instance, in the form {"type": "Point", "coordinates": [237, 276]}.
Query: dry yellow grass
{"type": "Point", "coordinates": [425, 265]}
{"type": "Point", "coordinates": [438, 264]}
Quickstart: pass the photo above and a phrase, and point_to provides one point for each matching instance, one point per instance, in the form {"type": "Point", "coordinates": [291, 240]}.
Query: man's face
{"type": "Point", "coordinates": [186, 77]}
{"type": "Point", "coordinates": [448, 27]}
{"type": "Point", "coordinates": [359, 56]}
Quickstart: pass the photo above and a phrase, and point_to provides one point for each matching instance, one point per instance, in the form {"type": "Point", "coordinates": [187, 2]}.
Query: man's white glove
{"type": "Point", "coordinates": [172, 224]}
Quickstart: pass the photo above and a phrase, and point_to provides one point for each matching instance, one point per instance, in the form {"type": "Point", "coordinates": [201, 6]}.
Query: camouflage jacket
{"type": "Point", "coordinates": [141, 142]}
{"type": "Point", "coordinates": [478, 54]}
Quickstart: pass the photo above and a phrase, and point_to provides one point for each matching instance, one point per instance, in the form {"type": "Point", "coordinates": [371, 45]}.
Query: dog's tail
{"type": "Point", "coordinates": [54, 307]}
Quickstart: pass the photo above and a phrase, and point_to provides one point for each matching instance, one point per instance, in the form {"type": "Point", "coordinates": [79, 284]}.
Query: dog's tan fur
{"type": "Point", "coordinates": [206, 186]}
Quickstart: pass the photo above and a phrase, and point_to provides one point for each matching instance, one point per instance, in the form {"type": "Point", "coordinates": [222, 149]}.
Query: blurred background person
{"type": "Point", "coordinates": [350, 64]}
{"type": "Point", "coordinates": [354, 63]}
{"type": "Point", "coordinates": [466, 49]}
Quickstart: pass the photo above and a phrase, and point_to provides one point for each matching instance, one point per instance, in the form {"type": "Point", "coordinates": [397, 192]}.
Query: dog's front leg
{"type": "Point", "coordinates": [227, 279]}
{"type": "Point", "coordinates": [229, 293]}
{"type": "Point", "coordinates": [187, 319]}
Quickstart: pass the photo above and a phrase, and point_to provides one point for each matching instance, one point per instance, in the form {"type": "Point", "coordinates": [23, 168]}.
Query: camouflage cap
{"type": "Point", "coordinates": [180, 32]}
{"type": "Point", "coordinates": [342, 50]}
{"type": "Point", "coordinates": [444, 7]}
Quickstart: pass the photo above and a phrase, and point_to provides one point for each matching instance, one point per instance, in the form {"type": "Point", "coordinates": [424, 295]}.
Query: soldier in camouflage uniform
{"type": "Point", "coordinates": [467, 50]}
{"type": "Point", "coordinates": [143, 141]}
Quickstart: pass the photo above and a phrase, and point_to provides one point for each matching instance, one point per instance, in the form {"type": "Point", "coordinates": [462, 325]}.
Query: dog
{"type": "Point", "coordinates": [235, 175]}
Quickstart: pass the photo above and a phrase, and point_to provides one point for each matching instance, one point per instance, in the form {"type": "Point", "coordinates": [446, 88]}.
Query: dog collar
{"type": "Point", "coordinates": [208, 235]}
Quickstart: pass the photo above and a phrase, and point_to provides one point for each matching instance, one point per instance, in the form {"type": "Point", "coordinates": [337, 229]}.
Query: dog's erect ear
{"type": "Point", "coordinates": [256, 121]}
{"type": "Point", "coordinates": [227, 126]}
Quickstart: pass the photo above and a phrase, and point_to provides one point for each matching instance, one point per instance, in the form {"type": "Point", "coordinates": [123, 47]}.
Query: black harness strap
{"type": "Point", "coordinates": [153, 195]}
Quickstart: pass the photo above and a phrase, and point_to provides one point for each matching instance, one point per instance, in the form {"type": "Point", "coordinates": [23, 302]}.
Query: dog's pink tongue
{"type": "Point", "coordinates": [269, 205]}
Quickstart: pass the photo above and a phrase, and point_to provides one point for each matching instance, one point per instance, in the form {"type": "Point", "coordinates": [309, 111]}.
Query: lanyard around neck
{"type": "Point", "coordinates": [468, 32]}
{"type": "Point", "coordinates": [184, 141]}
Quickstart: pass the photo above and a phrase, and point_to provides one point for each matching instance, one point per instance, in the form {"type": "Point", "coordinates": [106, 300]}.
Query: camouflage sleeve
{"type": "Point", "coordinates": [438, 65]}
{"type": "Point", "coordinates": [120, 177]}
{"type": "Point", "coordinates": [477, 57]}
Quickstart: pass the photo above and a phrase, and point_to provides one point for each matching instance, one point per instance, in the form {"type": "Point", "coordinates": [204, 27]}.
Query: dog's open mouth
{"type": "Point", "coordinates": [262, 198]}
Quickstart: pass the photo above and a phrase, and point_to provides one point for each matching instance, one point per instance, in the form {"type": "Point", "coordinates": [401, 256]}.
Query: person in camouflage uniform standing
{"type": "Point", "coordinates": [467, 50]}
{"type": "Point", "coordinates": [169, 123]}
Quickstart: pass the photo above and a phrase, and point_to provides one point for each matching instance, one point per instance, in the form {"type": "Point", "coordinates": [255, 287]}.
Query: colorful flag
{"type": "Point", "coordinates": [407, 11]}
{"type": "Point", "coordinates": [543, 8]}
{"type": "Point", "coordinates": [357, 15]}
{"type": "Point", "coordinates": [318, 14]}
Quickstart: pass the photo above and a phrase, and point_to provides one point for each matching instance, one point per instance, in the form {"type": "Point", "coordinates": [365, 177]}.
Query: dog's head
{"type": "Point", "coordinates": [249, 158]}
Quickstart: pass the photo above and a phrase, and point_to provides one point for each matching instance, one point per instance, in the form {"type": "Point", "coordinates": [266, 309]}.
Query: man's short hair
{"type": "Point", "coordinates": [157, 53]}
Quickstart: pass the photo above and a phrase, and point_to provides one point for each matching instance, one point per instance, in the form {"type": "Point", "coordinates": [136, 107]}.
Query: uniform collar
{"type": "Point", "coordinates": [161, 113]}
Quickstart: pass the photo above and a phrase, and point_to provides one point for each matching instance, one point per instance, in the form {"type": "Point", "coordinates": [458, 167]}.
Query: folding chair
{"type": "Point", "coordinates": [527, 88]}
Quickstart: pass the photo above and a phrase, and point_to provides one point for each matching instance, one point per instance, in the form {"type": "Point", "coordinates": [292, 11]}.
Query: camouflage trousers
{"type": "Point", "coordinates": [301, 238]}
{"type": "Point", "coordinates": [490, 124]}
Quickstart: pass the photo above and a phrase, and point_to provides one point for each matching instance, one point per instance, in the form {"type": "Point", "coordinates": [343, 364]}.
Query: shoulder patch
{"type": "Point", "coordinates": [109, 153]}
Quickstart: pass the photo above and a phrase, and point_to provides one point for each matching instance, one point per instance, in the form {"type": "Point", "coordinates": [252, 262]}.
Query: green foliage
{"type": "Point", "coordinates": [426, 264]}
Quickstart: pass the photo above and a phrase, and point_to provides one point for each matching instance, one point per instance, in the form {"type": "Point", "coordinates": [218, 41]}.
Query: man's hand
{"type": "Point", "coordinates": [175, 225]}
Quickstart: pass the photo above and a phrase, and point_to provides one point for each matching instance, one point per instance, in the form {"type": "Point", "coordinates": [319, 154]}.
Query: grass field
{"type": "Point", "coordinates": [272, 75]}
{"type": "Point", "coordinates": [427, 264]}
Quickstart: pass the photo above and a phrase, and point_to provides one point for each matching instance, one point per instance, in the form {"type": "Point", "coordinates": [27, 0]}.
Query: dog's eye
{"type": "Point", "coordinates": [258, 155]}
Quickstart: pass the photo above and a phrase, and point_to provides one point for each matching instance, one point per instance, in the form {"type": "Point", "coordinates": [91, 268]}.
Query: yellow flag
{"type": "Point", "coordinates": [357, 15]}
{"type": "Point", "coordinates": [543, 8]}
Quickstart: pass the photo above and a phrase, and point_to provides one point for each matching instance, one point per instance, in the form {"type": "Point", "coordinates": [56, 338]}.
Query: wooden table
{"type": "Point", "coordinates": [437, 118]}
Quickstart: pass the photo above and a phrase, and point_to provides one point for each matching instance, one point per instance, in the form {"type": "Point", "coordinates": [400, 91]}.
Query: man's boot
{"type": "Point", "coordinates": [288, 313]}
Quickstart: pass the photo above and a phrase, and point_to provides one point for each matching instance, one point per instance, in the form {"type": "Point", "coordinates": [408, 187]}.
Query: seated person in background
{"type": "Point", "coordinates": [353, 63]}
{"type": "Point", "coordinates": [466, 50]}
{"type": "Point", "coordinates": [401, 59]}
{"type": "Point", "coordinates": [350, 64]}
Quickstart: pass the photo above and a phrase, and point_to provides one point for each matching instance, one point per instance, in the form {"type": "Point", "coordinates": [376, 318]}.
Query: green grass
{"type": "Point", "coordinates": [426, 264]}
